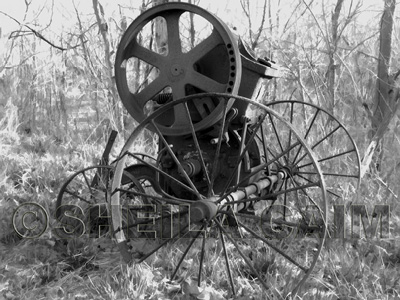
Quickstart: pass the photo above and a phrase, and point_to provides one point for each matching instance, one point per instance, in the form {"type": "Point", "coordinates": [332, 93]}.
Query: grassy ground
{"type": "Point", "coordinates": [33, 168]}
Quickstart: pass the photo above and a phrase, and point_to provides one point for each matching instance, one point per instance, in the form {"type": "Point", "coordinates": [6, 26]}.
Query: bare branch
{"type": "Point", "coordinates": [316, 21]}
{"type": "Point", "coordinates": [38, 34]}
{"type": "Point", "coordinates": [260, 29]}
{"type": "Point", "coordinates": [8, 57]}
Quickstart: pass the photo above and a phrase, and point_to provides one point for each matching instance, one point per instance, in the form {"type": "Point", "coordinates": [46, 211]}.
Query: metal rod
{"type": "Point", "coordinates": [186, 251]}
{"type": "Point", "coordinates": [256, 169]}
{"type": "Point", "coordinates": [242, 142]}
{"type": "Point", "coordinates": [218, 150]}
{"type": "Point", "coordinates": [228, 269]}
{"type": "Point", "coordinates": [307, 132]}
{"type": "Point", "coordinates": [331, 174]}
{"type": "Point", "coordinates": [201, 258]}
{"type": "Point", "coordinates": [277, 136]}
{"type": "Point", "coordinates": [162, 244]}
{"type": "Point", "coordinates": [77, 196]}
{"type": "Point", "coordinates": [245, 258]}
{"type": "Point", "coordinates": [273, 247]}
{"type": "Point", "coordinates": [258, 125]}
{"type": "Point", "coordinates": [272, 195]}
{"type": "Point", "coordinates": [161, 172]}
{"type": "Point", "coordinates": [172, 201]}
{"type": "Point", "coordinates": [180, 168]}
{"type": "Point", "coordinates": [329, 157]}
{"type": "Point", "coordinates": [196, 143]}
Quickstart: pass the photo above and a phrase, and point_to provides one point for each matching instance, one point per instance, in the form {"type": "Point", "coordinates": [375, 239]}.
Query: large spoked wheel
{"type": "Point", "coordinates": [330, 141]}
{"type": "Point", "coordinates": [235, 186]}
{"type": "Point", "coordinates": [177, 68]}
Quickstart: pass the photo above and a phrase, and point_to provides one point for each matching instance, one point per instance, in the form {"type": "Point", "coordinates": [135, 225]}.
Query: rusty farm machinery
{"type": "Point", "coordinates": [213, 175]}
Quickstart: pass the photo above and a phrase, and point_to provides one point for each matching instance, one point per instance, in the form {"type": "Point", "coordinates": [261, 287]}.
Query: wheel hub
{"type": "Point", "coordinates": [203, 210]}
{"type": "Point", "coordinates": [176, 70]}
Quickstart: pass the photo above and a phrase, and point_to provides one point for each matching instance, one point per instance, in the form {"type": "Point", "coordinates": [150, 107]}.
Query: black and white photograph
{"type": "Point", "coordinates": [200, 149]}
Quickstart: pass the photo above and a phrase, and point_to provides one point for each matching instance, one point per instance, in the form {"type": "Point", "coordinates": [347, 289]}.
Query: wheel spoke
{"type": "Point", "coordinates": [331, 174]}
{"type": "Point", "coordinates": [87, 182]}
{"type": "Point", "coordinates": [158, 198]}
{"type": "Point", "coordinates": [272, 246]}
{"type": "Point", "coordinates": [284, 200]}
{"type": "Point", "coordinates": [328, 191]}
{"type": "Point", "coordinates": [172, 154]}
{"type": "Point", "coordinates": [179, 112]}
{"type": "Point", "coordinates": [144, 54]}
{"type": "Point", "coordinates": [290, 132]}
{"type": "Point", "coordinates": [148, 93]}
{"type": "Point", "coordinates": [256, 169]}
{"type": "Point", "coordinates": [228, 268]}
{"type": "Point", "coordinates": [233, 174]}
{"type": "Point", "coordinates": [246, 259]}
{"type": "Point", "coordinates": [197, 145]}
{"type": "Point", "coordinates": [218, 149]}
{"type": "Point", "coordinates": [329, 157]}
{"type": "Point", "coordinates": [205, 83]}
{"type": "Point", "coordinates": [311, 123]}
{"type": "Point", "coordinates": [77, 196]}
{"type": "Point", "coordinates": [277, 136]}
{"type": "Point", "coordinates": [163, 173]}
{"type": "Point", "coordinates": [241, 152]}
{"type": "Point", "coordinates": [174, 42]}
{"type": "Point", "coordinates": [264, 143]}
{"type": "Point", "coordinates": [302, 188]}
{"type": "Point", "coordinates": [202, 252]}
{"type": "Point", "coordinates": [268, 150]}
{"type": "Point", "coordinates": [186, 251]}
{"type": "Point", "coordinates": [325, 137]}
{"type": "Point", "coordinates": [175, 238]}
{"type": "Point", "coordinates": [205, 46]}
{"type": "Point", "coordinates": [307, 132]}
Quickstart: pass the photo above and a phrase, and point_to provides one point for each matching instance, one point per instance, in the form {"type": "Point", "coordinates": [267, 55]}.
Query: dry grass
{"type": "Point", "coordinates": [34, 167]}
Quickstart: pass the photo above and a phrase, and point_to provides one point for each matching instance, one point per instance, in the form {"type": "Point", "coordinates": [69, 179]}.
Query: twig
{"type": "Point", "coordinates": [38, 34]}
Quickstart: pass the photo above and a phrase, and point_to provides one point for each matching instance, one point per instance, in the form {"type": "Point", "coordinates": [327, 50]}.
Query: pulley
{"type": "Point", "coordinates": [209, 63]}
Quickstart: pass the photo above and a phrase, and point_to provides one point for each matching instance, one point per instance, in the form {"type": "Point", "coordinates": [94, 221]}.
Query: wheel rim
{"type": "Point", "coordinates": [177, 70]}
{"type": "Point", "coordinates": [332, 144]}
{"type": "Point", "coordinates": [293, 195]}
{"type": "Point", "coordinates": [85, 195]}
{"type": "Point", "coordinates": [81, 195]}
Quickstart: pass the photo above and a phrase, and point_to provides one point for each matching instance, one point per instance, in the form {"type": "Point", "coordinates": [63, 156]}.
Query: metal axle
{"type": "Point", "coordinates": [206, 209]}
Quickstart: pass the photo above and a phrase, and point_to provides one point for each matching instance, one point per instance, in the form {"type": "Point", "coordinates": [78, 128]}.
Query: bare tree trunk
{"type": "Point", "coordinates": [192, 30]}
{"type": "Point", "coordinates": [103, 28]}
{"type": "Point", "coordinates": [387, 93]}
{"type": "Point", "coordinates": [161, 35]}
{"type": "Point", "coordinates": [384, 105]}
{"type": "Point", "coordinates": [331, 70]}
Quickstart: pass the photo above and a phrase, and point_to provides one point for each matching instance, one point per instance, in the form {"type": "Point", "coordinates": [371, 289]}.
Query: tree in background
{"type": "Point", "coordinates": [61, 84]}
{"type": "Point", "coordinates": [386, 96]}
{"type": "Point", "coordinates": [109, 67]}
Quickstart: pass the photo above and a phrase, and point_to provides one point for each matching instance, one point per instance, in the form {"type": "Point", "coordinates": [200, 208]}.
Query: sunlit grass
{"type": "Point", "coordinates": [33, 168]}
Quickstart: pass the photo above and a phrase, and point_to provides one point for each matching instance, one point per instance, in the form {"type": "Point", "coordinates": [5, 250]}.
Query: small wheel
{"type": "Point", "coordinates": [180, 69]}
{"type": "Point", "coordinates": [81, 205]}
{"type": "Point", "coordinates": [84, 196]}
{"type": "Point", "coordinates": [232, 182]}
{"type": "Point", "coordinates": [332, 144]}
